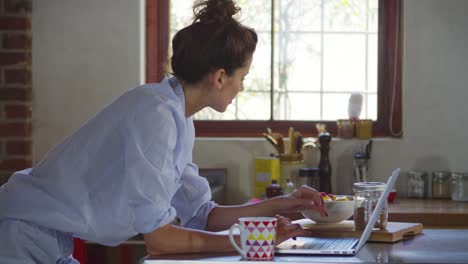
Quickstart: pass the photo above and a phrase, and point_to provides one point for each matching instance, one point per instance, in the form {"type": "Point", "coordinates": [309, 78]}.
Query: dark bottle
{"type": "Point", "coordinates": [273, 189]}
{"type": "Point", "coordinates": [324, 164]}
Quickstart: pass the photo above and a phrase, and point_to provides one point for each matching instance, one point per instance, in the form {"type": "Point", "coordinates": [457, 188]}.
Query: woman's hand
{"type": "Point", "coordinates": [303, 198]}
{"type": "Point", "coordinates": [285, 229]}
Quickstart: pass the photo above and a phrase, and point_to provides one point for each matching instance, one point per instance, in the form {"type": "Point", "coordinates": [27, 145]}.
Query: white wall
{"type": "Point", "coordinates": [74, 74]}
{"type": "Point", "coordinates": [85, 53]}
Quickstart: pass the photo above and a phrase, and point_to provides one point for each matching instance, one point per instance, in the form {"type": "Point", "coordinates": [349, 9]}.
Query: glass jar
{"type": "Point", "coordinates": [440, 184]}
{"type": "Point", "coordinates": [459, 187]}
{"type": "Point", "coordinates": [366, 196]}
{"type": "Point", "coordinates": [416, 184]}
{"type": "Point", "coordinates": [345, 128]}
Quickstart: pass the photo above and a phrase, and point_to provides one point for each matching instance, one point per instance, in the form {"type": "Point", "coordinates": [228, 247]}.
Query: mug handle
{"type": "Point", "coordinates": [233, 242]}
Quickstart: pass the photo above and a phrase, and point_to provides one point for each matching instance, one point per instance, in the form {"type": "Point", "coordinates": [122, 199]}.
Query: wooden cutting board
{"type": "Point", "coordinates": [395, 230]}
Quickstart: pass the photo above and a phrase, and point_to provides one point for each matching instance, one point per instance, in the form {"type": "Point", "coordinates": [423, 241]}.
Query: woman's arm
{"type": "Point", "coordinates": [222, 217]}
{"type": "Point", "coordinates": [171, 239]}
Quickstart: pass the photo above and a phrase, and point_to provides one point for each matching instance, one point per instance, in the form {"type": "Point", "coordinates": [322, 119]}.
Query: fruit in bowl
{"type": "Point", "coordinates": [339, 208]}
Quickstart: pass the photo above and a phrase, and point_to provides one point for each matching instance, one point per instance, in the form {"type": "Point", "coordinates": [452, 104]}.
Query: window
{"type": "Point", "coordinates": [311, 55]}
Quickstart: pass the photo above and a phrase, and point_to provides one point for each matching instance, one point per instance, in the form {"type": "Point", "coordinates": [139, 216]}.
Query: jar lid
{"type": "Point", "coordinates": [440, 175]}
{"type": "Point", "coordinates": [369, 186]}
{"type": "Point", "coordinates": [416, 173]}
{"type": "Point", "coordinates": [309, 172]}
{"type": "Point", "coordinates": [456, 175]}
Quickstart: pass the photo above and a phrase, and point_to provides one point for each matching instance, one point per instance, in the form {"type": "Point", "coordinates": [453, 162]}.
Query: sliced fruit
{"type": "Point", "coordinates": [342, 198]}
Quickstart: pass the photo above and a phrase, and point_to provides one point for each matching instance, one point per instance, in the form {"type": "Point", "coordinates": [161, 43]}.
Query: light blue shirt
{"type": "Point", "coordinates": [128, 170]}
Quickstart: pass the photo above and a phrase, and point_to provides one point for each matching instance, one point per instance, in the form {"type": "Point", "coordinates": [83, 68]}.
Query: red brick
{"type": "Point", "coordinates": [15, 164]}
{"type": "Point", "coordinates": [16, 41]}
{"type": "Point", "coordinates": [19, 147]}
{"type": "Point", "coordinates": [14, 23]}
{"type": "Point", "coordinates": [18, 111]}
{"type": "Point", "coordinates": [15, 129]}
{"type": "Point", "coordinates": [19, 94]}
{"type": "Point", "coordinates": [18, 6]}
{"type": "Point", "coordinates": [17, 76]}
{"type": "Point", "coordinates": [15, 58]}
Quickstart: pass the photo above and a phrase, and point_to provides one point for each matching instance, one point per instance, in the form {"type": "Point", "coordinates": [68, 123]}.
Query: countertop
{"type": "Point", "coordinates": [432, 246]}
{"type": "Point", "coordinates": [430, 212]}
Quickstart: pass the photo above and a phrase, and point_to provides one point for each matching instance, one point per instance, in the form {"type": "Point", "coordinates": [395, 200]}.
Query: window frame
{"type": "Point", "coordinates": [389, 119]}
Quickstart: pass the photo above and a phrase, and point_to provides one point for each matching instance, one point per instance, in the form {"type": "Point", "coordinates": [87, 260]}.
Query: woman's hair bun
{"type": "Point", "coordinates": [214, 11]}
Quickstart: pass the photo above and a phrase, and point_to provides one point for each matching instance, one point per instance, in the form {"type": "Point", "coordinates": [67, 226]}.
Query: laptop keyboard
{"type": "Point", "coordinates": [329, 243]}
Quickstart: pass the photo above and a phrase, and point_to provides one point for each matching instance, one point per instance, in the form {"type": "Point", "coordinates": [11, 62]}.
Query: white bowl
{"type": "Point", "coordinates": [337, 211]}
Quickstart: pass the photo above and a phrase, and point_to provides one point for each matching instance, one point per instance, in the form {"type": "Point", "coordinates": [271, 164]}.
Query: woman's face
{"type": "Point", "coordinates": [232, 85]}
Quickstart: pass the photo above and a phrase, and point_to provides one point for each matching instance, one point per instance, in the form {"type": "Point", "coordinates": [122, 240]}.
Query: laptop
{"type": "Point", "coordinates": [337, 246]}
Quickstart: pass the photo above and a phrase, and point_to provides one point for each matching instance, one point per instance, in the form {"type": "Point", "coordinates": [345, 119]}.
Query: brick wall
{"type": "Point", "coordinates": [15, 86]}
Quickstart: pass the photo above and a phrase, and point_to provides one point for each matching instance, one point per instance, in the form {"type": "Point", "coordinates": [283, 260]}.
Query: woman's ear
{"type": "Point", "coordinates": [218, 78]}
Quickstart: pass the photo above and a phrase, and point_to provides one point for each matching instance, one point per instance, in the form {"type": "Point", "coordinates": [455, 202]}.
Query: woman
{"type": "Point", "coordinates": [129, 169]}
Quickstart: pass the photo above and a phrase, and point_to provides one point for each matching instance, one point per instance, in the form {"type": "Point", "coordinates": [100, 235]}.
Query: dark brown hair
{"type": "Point", "coordinates": [215, 40]}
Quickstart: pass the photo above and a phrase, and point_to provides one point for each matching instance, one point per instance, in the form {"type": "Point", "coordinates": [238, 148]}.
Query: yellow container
{"type": "Point", "coordinates": [266, 169]}
{"type": "Point", "coordinates": [364, 128]}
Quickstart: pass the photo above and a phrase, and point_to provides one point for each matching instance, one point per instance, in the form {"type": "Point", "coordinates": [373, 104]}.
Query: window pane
{"type": "Point", "coordinates": [259, 78]}
{"type": "Point", "coordinates": [297, 62]}
{"type": "Point", "coordinates": [345, 15]}
{"type": "Point", "coordinates": [314, 71]}
{"type": "Point", "coordinates": [298, 15]}
{"type": "Point", "coordinates": [297, 106]}
{"type": "Point", "coordinates": [372, 65]}
{"type": "Point", "coordinates": [181, 15]}
{"type": "Point", "coordinates": [256, 14]}
{"type": "Point", "coordinates": [344, 58]}
{"type": "Point", "coordinates": [373, 15]}
{"type": "Point", "coordinates": [371, 107]}
{"type": "Point", "coordinates": [335, 106]}
{"type": "Point", "coordinates": [253, 105]}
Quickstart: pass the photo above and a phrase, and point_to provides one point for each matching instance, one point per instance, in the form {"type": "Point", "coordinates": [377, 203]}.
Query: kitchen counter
{"type": "Point", "coordinates": [430, 212]}
{"type": "Point", "coordinates": [433, 246]}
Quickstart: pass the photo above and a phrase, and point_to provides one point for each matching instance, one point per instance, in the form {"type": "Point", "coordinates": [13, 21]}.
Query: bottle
{"type": "Point", "coordinates": [273, 189]}
{"type": "Point", "coordinates": [289, 187]}
{"type": "Point", "coordinates": [324, 164]}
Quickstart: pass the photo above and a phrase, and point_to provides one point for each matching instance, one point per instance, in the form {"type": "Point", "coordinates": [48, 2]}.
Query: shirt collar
{"type": "Point", "coordinates": [178, 90]}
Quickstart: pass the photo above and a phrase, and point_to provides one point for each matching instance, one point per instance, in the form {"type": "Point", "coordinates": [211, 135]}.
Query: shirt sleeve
{"type": "Point", "coordinates": [151, 179]}
{"type": "Point", "coordinates": [193, 199]}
